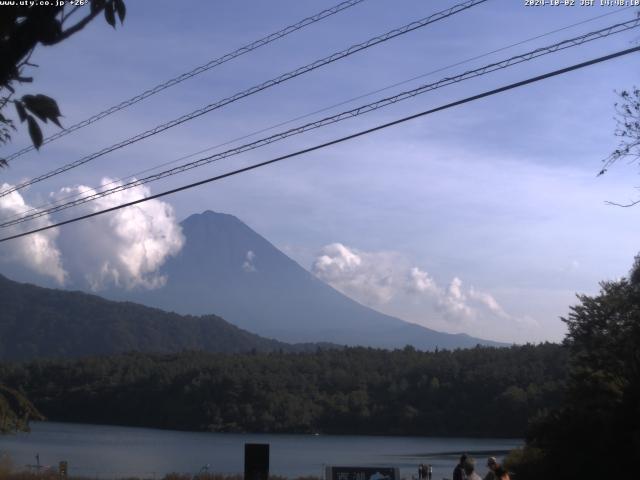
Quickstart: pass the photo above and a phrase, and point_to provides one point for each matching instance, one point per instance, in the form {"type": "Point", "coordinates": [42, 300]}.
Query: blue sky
{"type": "Point", "coordinates": [494, 204]}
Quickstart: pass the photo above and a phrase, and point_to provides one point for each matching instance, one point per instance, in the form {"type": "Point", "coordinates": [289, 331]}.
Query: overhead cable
{"type": "Point", "coordinates": [307, 115]}
{"type": "Point", "coordinates": [192, 73]}
{"type": "Point", "coordinates": [370, 107]}
{"type": "Point", "coordinates": [472, 98]}
{"type": "Point", "coordinates": [270, 83]}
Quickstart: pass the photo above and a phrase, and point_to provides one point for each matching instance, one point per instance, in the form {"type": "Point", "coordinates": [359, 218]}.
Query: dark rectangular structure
{"type": "Point", "coordinates": [256, 461]}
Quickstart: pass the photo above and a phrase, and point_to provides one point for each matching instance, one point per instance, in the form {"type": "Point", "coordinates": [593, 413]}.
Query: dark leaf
{"type": "Point", "coordinates": [109, 14]}
{"type": "Point", "coordinates": [34, 132]}
{"type": "Point", "coordinates": [121, 9]}
{"type": "Point", "coordinates": [96, 5]}
{"type": "Point", "coordinates": [21, 111]}
{"type": "Point", "coordinates": [49, 30]}
{"type": "Point", "coordinates": [3, 163]}
{"type": "Point", "coordinates": [43, 107]}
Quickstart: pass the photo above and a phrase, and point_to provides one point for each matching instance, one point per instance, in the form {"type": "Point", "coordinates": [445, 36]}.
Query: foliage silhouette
{"type": "Point", "coordinates": [596, 431]}
{"type": "Point", "coordinates": [22, 29]}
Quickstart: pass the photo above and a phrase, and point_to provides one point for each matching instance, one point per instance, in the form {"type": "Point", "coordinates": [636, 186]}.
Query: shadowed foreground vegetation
{"type": "Point", "coordinates": [595, 433]}
{"type": "Point", "coordinates": [15, 411]}
{"type": "Point", "coordinates": [8, 474]}
{"type": "Point", "coordinates": [483, 391]}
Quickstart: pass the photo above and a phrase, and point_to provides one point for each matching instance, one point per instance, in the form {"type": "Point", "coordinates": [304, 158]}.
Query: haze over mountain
{"type": "Point", "coordinates": [228, 269]}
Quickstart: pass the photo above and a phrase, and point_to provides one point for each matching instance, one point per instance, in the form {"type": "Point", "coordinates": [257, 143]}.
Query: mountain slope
{"type": "Point", "coordinates": [228, 269]}
{"type": "Point", "coordinates": [41, 322]}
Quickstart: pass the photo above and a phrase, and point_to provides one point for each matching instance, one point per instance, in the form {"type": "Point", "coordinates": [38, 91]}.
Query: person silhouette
{"type": "Point", "coordinates": [458, 472]}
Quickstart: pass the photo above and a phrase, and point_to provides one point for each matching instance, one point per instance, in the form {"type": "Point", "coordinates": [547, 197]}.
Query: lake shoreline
{"type": "Point", "coordinates": [108, 452]}
{"type": "Point", "coordinates": [242, 432]}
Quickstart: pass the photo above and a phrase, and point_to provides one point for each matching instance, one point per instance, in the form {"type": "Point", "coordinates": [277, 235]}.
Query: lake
{"type": "Point", "coordinates": [100, 451]}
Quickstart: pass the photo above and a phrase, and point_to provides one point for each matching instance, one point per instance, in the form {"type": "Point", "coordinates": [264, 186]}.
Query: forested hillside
{"type": "Point", "coordinates": [483, 391]}
{"type": "Point", "coordinates": [40, 322]}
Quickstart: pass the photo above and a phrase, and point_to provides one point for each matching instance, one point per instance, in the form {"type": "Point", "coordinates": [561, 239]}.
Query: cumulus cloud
{"type": "Point", "coordinates": [454, 303]}
{"type": "Point", "coordinates": [367, 277]}
{"type": "Point", "coordinates": [419, 281]}
{"type": "Point", "coordinates": [488, 301]}
{"type": "Point", "coordinates": [377, 278]}
{"type": "Point", "coordinates": [125, 248]}
{"type": "Point", "coordinates": [248, 265]}
{"type": "Point", "coordinates": [37, 252]}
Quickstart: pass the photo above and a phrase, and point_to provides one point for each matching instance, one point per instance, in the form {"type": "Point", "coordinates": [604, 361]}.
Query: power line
{"type": "Point", "coordinates": [196, 71]}
{"type": "Point", "coordinates": [514, 60]}
{"type": "Point", "coordinates": [300, 117]}
{"type": "Point", "coordinates": [270, 83]}
{"type": "Point", "coordinates": [336, 141]}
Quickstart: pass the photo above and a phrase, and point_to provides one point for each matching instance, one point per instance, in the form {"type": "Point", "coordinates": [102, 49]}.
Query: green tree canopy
{"type": "Point", "coordinates": [596, 433]}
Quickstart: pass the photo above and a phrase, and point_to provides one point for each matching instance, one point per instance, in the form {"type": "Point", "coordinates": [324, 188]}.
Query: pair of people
{"type": "Point", "coordinates": [465, 470]}
{"type": "Point", "coordinates": [424, 472]}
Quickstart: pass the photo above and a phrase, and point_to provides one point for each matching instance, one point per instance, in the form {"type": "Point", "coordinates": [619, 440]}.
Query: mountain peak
{"type": "Point", "coordinates": [228, 269]}
{"type": "Point", "coordinates": [211, 216]}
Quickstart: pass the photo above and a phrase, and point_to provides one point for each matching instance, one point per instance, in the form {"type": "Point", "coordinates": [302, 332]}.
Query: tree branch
{"type": "Point", "coordinates": [80, 25]}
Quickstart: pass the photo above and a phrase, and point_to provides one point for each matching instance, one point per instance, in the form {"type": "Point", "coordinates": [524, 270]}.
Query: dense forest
{"type": "Point", "coordinates": [484, 391]}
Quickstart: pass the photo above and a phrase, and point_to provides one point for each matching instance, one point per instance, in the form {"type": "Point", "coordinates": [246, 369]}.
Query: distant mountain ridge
{"type": "Point", "coordinates": [38, 322]}
{"type": "Point", "coordinates": [228, 269]}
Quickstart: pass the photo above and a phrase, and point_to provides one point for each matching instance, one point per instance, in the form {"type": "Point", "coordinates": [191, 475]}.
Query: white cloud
{"type": "Point", "coordinates": [451, 302]}
{"type": "Point", "coordinates": [488, 301]}
{"type": "Point", "coordinates": [125, 248]}
{"type": "Point", "coordinates": [367, 277]}
{"type": "Point", "coordinates": [37, 252]}
{"type": "Point", "coordinates": [454, 303]}
{"type": "Point", "coordinates": [248, 265]}
{"type": "Point", "coordinates": [419, 281]}
{"type": "Point", "coordinates": [380, 278]}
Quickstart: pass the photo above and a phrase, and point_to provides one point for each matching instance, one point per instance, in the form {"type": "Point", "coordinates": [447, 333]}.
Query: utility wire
{"type": "Point", "coordinates": [192, 73]}
{"type": "Point", "coordinates": [270, 83]}
{"type": "Point", "coordinates": [307, 115]}
{"type": "Point", "coordinates": [472, 98]}
{"type": "Point", "coordinates": [515, 60]}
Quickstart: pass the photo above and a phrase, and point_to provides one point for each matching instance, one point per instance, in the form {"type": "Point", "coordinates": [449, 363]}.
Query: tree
{"type": "Point", "coordinates": [627, 128]}
{"type": "Point", "coordinates": [596, 433]}
{"type": "Point", "coordinates": [627, 116]}
{"type": "Point", "coordinates": [15, 411]}
{"type": "Point", "coordinates": [628, 131]}
{"type": "Point", "coordinates": [22, 29]}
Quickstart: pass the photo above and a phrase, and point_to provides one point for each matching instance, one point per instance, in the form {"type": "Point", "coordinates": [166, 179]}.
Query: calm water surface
{"type": "Point", "coordinates": [117, 452]}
